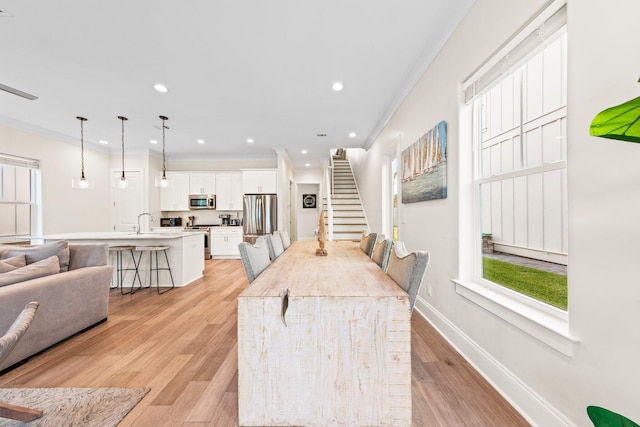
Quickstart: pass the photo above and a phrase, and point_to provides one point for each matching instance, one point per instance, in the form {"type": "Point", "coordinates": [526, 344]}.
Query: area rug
{"type": "Point", "coordinates": [82, 407]}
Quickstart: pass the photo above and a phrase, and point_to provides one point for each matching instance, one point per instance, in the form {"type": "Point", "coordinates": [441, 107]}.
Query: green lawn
{"type": "Point", "coordinates": [541, 285]}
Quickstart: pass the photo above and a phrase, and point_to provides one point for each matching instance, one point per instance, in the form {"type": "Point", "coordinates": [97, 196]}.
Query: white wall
{"type": "Point", "coordinates": [155, 169]}
{"type": "Point", "coordinates": [308, 176]}
{"type": "Point", "coordinates": [65, 209]}
{"type": "Point", "coordinates": [307, 218]}
{"type": "Point", "coordinates": [551, 389]}
{"type": "Point", "coordinates": [604, 202]}
{"type": "Point", "coordinates": [220, 164]}
{"type": "Point", "coordinates": [307, 181]}
{"type": "Point", "coordinates": [284, 187]}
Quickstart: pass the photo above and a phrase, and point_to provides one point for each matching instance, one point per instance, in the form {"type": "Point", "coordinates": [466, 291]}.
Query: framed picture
{"type": "Point", "coordinates": [424, 167]}
{"type": "Point", "coordinates": [309, 201]}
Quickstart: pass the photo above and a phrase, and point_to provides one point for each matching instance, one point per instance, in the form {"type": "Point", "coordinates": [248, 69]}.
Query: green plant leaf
{"type": "Point", "coordinates": [620, 122]}
{"type": "Point", "coordinates": [601, 417]}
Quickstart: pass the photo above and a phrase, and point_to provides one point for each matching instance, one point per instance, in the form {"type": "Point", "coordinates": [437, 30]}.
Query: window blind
{"type": "Point", "coordinates": [7, 159]}
{"type": "Point", "coordinates": [538, 31]}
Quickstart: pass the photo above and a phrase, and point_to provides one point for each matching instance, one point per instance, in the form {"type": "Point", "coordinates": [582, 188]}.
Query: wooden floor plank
{"type": "Point", "coordinates": [183, 345]}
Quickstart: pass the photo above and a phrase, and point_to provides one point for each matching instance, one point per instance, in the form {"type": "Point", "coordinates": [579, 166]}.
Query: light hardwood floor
{"type": "Point", "coordinates": [183, 346]}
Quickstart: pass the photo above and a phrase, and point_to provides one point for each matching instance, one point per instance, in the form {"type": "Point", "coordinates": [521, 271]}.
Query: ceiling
{"type": "Point", "coordinates": [235, 69]}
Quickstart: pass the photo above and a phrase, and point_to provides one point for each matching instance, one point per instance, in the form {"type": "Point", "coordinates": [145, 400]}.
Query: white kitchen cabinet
{"type": "Point", "coordinates": [202, 183]}
{"type": "Point", "coordinates": [259, 181]}
{"type": "Point", "coordinates": [175, 197]}
{"type": "Point", "coordinates": [224, 242]}
{"type": "Point", "coordinates": [229, 191]}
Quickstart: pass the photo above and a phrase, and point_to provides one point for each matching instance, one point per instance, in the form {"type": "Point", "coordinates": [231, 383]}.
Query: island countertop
{"type": "Point", "coordinates": [119, 235]}
{"type": "Point", "coordinates": [185, 253]}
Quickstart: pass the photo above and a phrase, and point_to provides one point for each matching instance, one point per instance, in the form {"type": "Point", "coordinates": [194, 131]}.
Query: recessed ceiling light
{"type": "Point", "coordinates": [322, 134]}
{"type": "Point", "coordinates": [153, 141]}
{"type": "Point", "coordinates": [102, 141]}
{"type": "Point", "coordinates": [337, 86]}
{"type": "Point", "coordinates": [352, 134]}
{"type": "Point", "coordinates": [306, 165]}
{"type": "Point", "coordinates": [249, 140]}
{"type": "Point", "coordinates": [200, 141]}
{"type": "Point", "coordinates": [160, 88]}
{"type": "Point", "coordinates": [304, 151]}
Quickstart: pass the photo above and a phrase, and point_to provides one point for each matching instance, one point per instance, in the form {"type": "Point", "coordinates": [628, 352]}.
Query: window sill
{"type": "Point", "coordinates": [550, 326]}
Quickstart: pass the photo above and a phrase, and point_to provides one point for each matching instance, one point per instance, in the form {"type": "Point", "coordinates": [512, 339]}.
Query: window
{"type": "Point", "coordinates": [520, 170]}
{"type": "Point", "coordinates": [394, 197]}
{"type": "Point", "coordinates": [17, 207]}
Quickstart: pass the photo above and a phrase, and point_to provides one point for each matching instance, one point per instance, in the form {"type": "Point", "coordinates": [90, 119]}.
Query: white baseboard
{"type": "Point", "coordinates": [536, 410]}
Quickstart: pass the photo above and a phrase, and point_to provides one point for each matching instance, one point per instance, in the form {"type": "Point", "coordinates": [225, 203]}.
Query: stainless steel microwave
{"type": "Point", "coordinates": [202, 201]}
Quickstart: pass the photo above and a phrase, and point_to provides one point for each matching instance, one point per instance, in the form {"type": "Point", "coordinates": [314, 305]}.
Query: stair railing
{"type": "Point", "coordinates": [328, 195]}
{"type": "Point", "coordinates": [333, 177]}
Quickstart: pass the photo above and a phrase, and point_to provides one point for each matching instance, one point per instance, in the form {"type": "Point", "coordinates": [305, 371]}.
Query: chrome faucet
{"type": "Point", "coordinates": [142, 214]}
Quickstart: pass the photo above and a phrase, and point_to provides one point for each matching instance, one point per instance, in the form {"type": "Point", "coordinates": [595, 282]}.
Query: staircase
{"type": "Point", "coordinates": [349, 219]}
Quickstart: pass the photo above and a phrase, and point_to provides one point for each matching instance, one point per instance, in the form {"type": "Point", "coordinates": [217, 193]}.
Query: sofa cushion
{"type": "Point", "coordinates": [45, 267]}
{"type": "Point", "coordinates": [34, 253]}
{"type": "Point", "coordinates": [9, 264]}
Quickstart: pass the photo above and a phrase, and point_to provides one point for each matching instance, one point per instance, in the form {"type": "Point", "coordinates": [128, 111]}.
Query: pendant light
{"type": "Point", "coordinates": [123, 183]}
{"type": "Point", "coordinates": [82, 183]}
{"type": "Point", "coordinates": [162, 181]}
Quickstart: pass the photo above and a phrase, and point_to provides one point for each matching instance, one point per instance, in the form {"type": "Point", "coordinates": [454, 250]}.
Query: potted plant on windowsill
{"type": "Point", "coordinates": [487, 243]}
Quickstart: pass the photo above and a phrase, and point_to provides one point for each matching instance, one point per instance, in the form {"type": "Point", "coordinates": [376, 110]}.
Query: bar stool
{"type": "Point", "coordinates": [154, 250]}
{"type": "Point", "coordinates": [120, 269]}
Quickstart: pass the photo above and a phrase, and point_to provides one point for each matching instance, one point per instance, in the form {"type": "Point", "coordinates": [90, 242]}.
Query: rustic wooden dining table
{"type": "Point", "coordinates": [324, 341]}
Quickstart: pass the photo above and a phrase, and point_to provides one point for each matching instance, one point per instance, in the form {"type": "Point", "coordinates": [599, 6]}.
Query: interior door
{"type": "Point", "coordinates": [127, 203]}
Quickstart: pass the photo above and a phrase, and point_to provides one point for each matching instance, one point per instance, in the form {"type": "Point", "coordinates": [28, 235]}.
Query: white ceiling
{"type": "Point", "coordinates": [235, 69]}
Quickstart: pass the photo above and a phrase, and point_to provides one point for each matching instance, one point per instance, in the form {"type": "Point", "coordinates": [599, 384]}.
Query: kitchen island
{"type": "Point", "coordinates": [185, 253]}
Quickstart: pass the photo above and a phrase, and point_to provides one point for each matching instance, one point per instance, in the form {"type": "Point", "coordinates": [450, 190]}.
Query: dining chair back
{"type": "Point", "coordinates": [275, 245]}
{"type": "Point", "coordinates": [381, 252]}
{"type": "Point", "coordinates": [407, 269]}
{"type": "Point", "coordinates": [286, 239]}
{"type": "Point", "coordinates": [255, 258]}
{"type": "Point", "coordinates": [7, 343]}
{"type": "Point", "coordinates": [367, 241]}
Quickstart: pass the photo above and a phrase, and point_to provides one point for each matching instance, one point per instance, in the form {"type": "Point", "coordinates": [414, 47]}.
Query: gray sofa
{"type": "Point", "coordinates": [71, 300]}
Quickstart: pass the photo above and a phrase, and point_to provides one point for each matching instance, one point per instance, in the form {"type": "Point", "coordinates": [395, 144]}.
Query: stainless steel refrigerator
{"type": "Point", "coordinates": [260, 215]}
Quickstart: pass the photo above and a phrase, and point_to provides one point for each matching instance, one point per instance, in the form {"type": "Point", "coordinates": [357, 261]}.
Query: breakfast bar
{"type": "Point", "coordinates": [324, 340]}
{"type": "Point", "coordinates": [184, 253]}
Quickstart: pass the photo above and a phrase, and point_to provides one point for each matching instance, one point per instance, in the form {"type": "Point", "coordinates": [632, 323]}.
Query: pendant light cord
{"type": "Point", "coordinates": [82, 120]}
{"type": "Point", "coordinates": [122, 118]}
{"type": "Point", "coordinates": [164, 163]}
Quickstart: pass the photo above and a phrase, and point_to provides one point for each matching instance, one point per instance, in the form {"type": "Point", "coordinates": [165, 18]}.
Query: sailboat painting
{"type": "Point", "coordinates": [424, 167]}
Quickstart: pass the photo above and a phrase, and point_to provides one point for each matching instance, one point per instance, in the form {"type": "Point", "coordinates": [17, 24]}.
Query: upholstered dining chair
{"type": "Point", "coordinates": [255, 258]}
{"type": "Point", "coordinates": [275, 245]}
{"type": "Point", "coordinates": [407, 269]}
{"type": "Point", "coordinates": [381, 252]}
{"type": "Point", "coordinates": [286, 240]}
{"type": "Point", "coordinates": [367, 241]}
{"type": "Point", "coordinates": [7, 342]}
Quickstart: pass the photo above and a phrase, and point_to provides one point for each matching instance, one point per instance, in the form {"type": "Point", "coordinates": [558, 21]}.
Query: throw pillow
{"type": "Point", "coordinates": [37, 269]}
{"type": "Point", "coordinates": [12, 263]}
{"type": "Point", "coordinates": [34, 253]}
